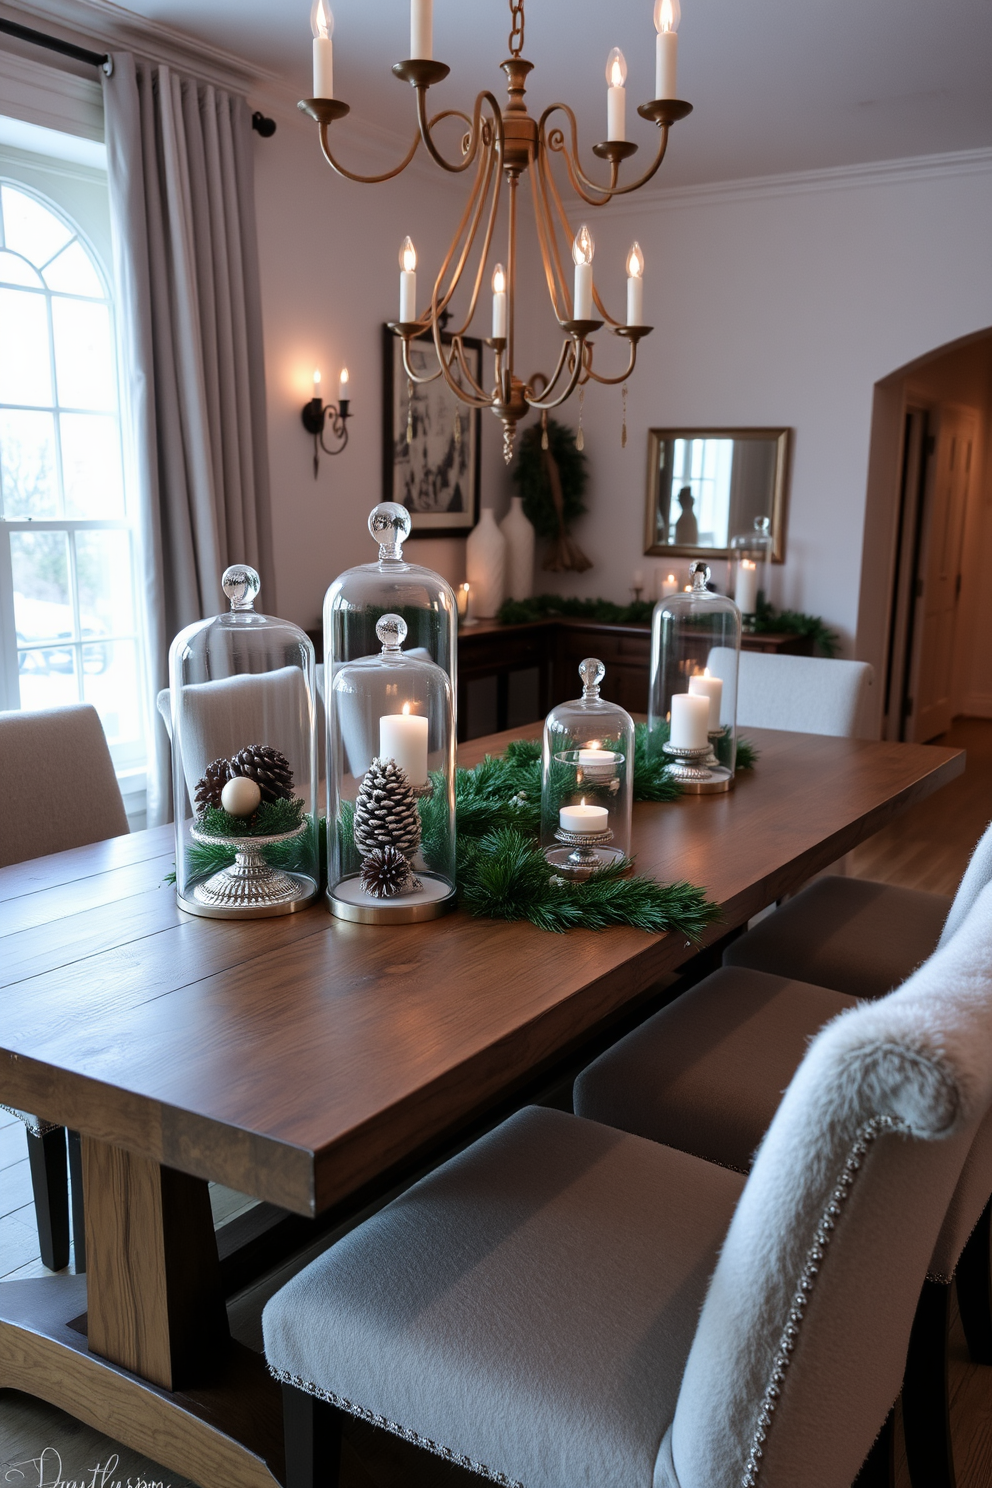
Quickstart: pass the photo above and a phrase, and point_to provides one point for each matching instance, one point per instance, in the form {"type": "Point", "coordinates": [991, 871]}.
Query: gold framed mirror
{"type": "Point", "coordinates": [705, 486]}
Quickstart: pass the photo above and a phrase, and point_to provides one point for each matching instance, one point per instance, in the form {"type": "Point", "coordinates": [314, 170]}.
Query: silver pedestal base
{"type": "Point", "coordinates": [582, 853]}
{"type": "Point", "coordinates": [435, 897]}
{"type": "Point", "coordinates": [250, 889]}
{"type": "Point", "coordinates": [697, 772]}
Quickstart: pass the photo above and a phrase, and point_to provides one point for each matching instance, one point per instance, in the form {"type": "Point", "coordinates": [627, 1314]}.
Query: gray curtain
{"type": "Point", "coordinates": [180, 168]}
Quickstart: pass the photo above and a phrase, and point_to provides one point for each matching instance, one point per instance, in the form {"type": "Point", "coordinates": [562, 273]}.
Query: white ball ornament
{"type": "Point", "coordinates": [240, 796]}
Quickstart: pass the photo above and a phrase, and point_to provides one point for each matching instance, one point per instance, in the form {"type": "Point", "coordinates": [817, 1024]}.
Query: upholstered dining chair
{"type": "Point", "coordinates": [705, 1075]}
{"type": "Point", "coordinates": [563, 1304]}
{"type": "Point", "coordinates": [804, 694]}
{"type": "Point", "coordinates": [58, 790]}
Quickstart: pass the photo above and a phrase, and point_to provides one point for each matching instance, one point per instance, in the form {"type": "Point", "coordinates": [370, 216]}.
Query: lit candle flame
{"type": "Point", "coordinates": [344, 378]}
{"type": "Point", "coordinates": [406, 708]}
{"type": "Point", "coordinates": [499, 279]}
{"type": "Point", "coordinates": [667, 14]}
{"type": "Point", "coordinates": [616, 68]}
{"type": "Point", "coordinates": [321, 18]}
{"type": "Point", "coordinates": [408, 256]}
{"type": "Point", "coordinates": [583, 248]}
{"type": "Point", "coordinates": [635, 261]}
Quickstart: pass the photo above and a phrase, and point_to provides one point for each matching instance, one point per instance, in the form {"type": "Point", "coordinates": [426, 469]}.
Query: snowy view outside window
{"type": "Point", "coordinates": [66, 574]}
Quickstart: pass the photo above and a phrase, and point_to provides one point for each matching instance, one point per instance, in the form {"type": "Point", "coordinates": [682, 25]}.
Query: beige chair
{"type": "Point", "coordinates": [803, 694]}
{"type": "Point", "coordinates": [705, 1075]}
{"type": "Point", "coordinates": [58, 790]}
{"type": "Point", "coordinates": [563, 1304]}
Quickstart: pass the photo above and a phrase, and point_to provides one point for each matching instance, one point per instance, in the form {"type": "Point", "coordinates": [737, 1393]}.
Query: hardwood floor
{"type": "Point", "coordinates": [927, 847]}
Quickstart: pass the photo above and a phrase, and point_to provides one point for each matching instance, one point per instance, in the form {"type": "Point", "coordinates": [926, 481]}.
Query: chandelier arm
{"type": "Point", "coordinates": [613, 381]}
{"type": "Point", "coordinates": [478, 392]}
{"type": "Point", "coordinates": [445, 367]}
{"type": "Point", "coordinates": [549, 383]}
{"type": "Point", "coordinates": [554, 140]}
{"type": "Point", "coordinates": [563, 397]}
{"type": "Point", "coordinates": [548, 188]}
{"type": "Point", "coordinates": [602, 308]}
{"type": "Point", "coordinates": [546, 259]}
{"type": "Point", "coordinates": [476, 133]}
{"type": "Point", "coordinates": [414, 376]}
{"type": "Point", "coordinates": [479, 194]}
{"type": "Point", "coordinates": [651, 170]}
{"type": "Point", "coordinates": [364, 180]}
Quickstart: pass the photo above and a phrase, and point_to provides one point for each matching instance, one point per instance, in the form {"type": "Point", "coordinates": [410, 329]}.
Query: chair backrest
{"type": "Point", "coordinates": [803, 694]}
{"type": "Point", "coordinates": [977, 874]}
{"type": "Point", "coordinates": [57, 783]}
{"type": "Point", "coordinates": [802, 1339]}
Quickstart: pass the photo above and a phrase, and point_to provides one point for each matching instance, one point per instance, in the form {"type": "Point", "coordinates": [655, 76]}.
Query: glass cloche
{"type": "Point", "coordinates": [750, 555]}
{"type": "Point", "coordinates": [391, 785]}
{"type": "Point", "coordinates": [692, 704]}
{"type": "Point", "coordinates": [587, 780]}
{"type": "Point", "coordinates": [244, 759]}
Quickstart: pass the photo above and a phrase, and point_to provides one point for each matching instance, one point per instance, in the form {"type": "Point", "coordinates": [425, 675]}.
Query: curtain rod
{"type": "Point", "coordinates": [263, 126]}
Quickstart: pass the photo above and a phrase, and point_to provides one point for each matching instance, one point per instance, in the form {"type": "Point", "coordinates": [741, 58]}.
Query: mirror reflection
{"type": "Point", "coordinates": [706, 486]}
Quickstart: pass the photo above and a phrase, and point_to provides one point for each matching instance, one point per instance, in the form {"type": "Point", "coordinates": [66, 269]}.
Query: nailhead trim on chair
{"type": "Point", "coordinates": [405, 1432]}
{"type": "Point", "coordinates": [814, 1256]}
{"type": "Point", "coordinates": [35, 1126]}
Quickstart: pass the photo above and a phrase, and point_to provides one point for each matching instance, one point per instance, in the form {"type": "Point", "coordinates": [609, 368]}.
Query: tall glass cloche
{"type": "Point", "coordinates": [244, 758]}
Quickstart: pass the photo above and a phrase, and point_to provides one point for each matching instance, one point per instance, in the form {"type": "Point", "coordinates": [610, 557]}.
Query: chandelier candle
{"type": "Point", "coordinates": [322, 26]}
{"type": "Point", "coordinates": [616, 96]}
{"type": "Point", "coordinates": [635, 286]}
{"type": "Point", "coordinates": [690, 721]}
{"type": "Point", "coordinates": [403, 738]}
{"type": "Point", "coordinates": [499, 303]}
{"type": "Point", "coordinates": [703, 685]}
{"type": "Point", "coordinates": [582, 251]}
{"type": "Point", "coordinates": [408, 282]}
{"type": "Point", "coordinates": [584, 819]}
{"type": "Point", "coordinates": [667, 14]}
{"type": "Point", "coordinates": [422, 29]}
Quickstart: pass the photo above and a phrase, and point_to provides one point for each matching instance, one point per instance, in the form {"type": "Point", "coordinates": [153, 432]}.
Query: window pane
{"type": "Point", "coordinates": [84, 366]}
{"type": "Point", "coordinates": [48, 677]}
{"type": "Point", "coordinates": [25, 362]}
{"type": "Point", "coordinates": [91, 465]}
{"type": "Point", "coordinates": [110, 683]}
{"type": "Point", "coordinates": [73, 273]}
{"type": "Point", "coordinates": [14, 270]}
{"type": "Point", "coordinates": [27, 464]}
{"type": "Point", "coordinates": [103, 576]}
{"type": "Point", "coordinates": [30, 228]}
{"type": "Point", "coordinates": [40, 563]}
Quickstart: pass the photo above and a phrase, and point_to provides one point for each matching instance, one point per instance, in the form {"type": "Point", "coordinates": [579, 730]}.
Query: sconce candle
{"type": "Point", "coordinates": [316, 384]}
{"type": "Point", "coordinates": [408, 282]}
{"type": "Point", "coordinates": [667, 14]}
{"type": "Point", "coordinates": [690, 721]}
{"type": "Point", "coordinates": [616, 96]}
{"type": "Point", "coordinates": [422, 29]}
{"type": "Point", "coordinates": [499, 302]}
{"type": "Point", "coordinates": [635, 285]}
{"type": "Point", "coordinates": [322, 26]}
{"type": "Point", "coordinates": [582, 818]}
{"type": "Point", "coordinates": [344, 385]}
{"type": "Point", "coordinates": [403, 738]}
{"type": "Point", "coordinates": [703, 685]}
{"type": "Point", "coordinates": [582, 252]}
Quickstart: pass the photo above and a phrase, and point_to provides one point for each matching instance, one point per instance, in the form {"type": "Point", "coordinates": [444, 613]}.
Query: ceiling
{"type": "Point", "coordinates": [777, 85]}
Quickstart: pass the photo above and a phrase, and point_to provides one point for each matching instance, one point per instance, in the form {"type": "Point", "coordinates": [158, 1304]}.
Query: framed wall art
{"type": "Point", "coordinates": [431, 441]}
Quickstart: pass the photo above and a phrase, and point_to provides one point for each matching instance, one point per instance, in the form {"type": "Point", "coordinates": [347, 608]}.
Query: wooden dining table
{"type": "Point", "coordinates": [299, 1059]}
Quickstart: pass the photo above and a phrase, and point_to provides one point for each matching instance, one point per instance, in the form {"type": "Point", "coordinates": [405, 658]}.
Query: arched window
{"type": "Point", "coordinates": [66, 564]}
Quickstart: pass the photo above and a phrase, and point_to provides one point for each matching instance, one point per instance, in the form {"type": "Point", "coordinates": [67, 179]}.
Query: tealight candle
{"type": "Point", "coordinates": [690, 721]}
{"type": "Point", "coordinates": [597, 764]}
{"type": "Point", "coordinates": [583, 819]}
{"type": "Point", "coordinates": [403, 738]}
{"type": "Point", "coordinates": [703, 685]}
{"type": "Point", "coordinates": [746, 587]}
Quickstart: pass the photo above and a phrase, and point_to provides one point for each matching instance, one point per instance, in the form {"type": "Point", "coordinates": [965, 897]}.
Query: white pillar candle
{"type": "Point", "coordinates": [746, 587]}
{"type": "Point", "coordinates": [703, 685]}
{"type": "Point", "coordinates": [582, 253]}
{"type": "Point", "coordinates": [322, 26]}
{"type": "Point", "coordinates": [597, 764]}
{"type": "Point", "coordinates": [690, 721]}
{"type": "Point", "coordinates": [408, 282]}
{"type": "Point", "coordinates": [422, 29]}
{"type": "Point", "coordinates": [403, 738]}
{"type": "Point", "coordinates": [583, 818]}
{"type": "Point", "coordinates": [499, 302]}
{"type": "Point", "coordinates": [669, 585]}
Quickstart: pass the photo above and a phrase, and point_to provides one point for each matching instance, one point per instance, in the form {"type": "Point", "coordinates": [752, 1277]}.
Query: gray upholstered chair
{"type": "Point", "coordinates": [803, 694]}
{"type": "Point", "coordinates": [58, 790]}
{"type": "Point", "coordinates": [858, 936]}
{"type": "Point", "coordinates": [705, 1075]}
{"type": "Point", "coordinates": [531, 1310]}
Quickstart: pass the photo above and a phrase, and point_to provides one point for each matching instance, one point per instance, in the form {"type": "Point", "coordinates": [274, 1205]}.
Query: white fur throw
{"type": "Point", "coordinates": [802, 1339]}
{"type": "Point", "coordinates": [977, 874]}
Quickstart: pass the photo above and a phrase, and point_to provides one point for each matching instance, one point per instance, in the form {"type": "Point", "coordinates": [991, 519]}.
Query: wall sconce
{"type": "Point", "coordinates": [317, 414]}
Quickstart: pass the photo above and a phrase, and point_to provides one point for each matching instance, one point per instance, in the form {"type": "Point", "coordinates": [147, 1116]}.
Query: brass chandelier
{"type": "Point", "coordinates": [502, 144]}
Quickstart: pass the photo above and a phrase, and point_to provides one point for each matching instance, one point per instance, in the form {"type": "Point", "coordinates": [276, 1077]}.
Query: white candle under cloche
{"type": "Point", "coordinates": [616, 96]}
{"type": "Point", "coordinates": [322, 26]}
{"type": "Point", "coordinates": [583, 818]}
{"type": "Point", "coordinates": [690, 721]}
{"type": "Point", "coordinates": [422, 29]}
{"type": "Point", "coordinates": [582, 253]}
{"type": "Point", "coordinates": [667, 14]}
{"type": "Point", "coordinates": [403, 738]}
{"type": "Point", "coordinates": [408, 282]}
{"type": "Point", "coordinates": [746, 587]}
{"type": "Point", "coordinates": [635, 285]}
{"type": "Point", "coordinates": [703, 685]}
{"type": "Point", "coordinates": [499, 302]}
{"type": "Point", "coordinates": [240, 796]}
{"type": "Point", "coordinates": [597, 764]}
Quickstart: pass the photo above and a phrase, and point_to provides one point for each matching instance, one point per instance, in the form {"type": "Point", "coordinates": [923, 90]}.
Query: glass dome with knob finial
{"type": "Point", "coordinates": [692, 702]}
{"type": "Point", "coordinates": [391, 784]}
{"type": "Point", "coordinates": [242, 708]}
{"type": "Point", "coordinates": [358, 598]}
{"type": "Point", "coordinates": [750, 556]}
{"type": "Point", "coordinates": [587, 780]}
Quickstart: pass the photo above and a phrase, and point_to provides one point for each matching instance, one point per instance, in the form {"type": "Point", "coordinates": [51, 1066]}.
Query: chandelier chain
{"type": "Point", "coordinates": [517, 29]}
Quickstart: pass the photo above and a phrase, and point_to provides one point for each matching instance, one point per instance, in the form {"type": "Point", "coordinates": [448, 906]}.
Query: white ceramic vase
{"type": "Point", "coordinates": [519, 536]}
{"type": "Point", "coordinates": [485, 563]}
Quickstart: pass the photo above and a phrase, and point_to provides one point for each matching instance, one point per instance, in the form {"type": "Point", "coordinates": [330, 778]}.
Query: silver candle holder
{"type": "Point", "coordinates": [698, 771]}
{"type": "Point", "coordinates": [250, 888]}
{"type": "Point", "coordinates": [578, 857]}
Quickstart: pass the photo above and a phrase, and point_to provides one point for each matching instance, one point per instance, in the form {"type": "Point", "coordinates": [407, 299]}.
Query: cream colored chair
{"type": "Point", "coordinates": [801, 694]}
{"type": "Point", "coordinates": [564, 1304]}
{"type": "Point", "coordinates": [58, 790]}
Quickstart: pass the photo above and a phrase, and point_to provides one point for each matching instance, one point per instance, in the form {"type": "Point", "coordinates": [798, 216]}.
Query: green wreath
{"type": "Point", "coordinates": [552, 482]}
